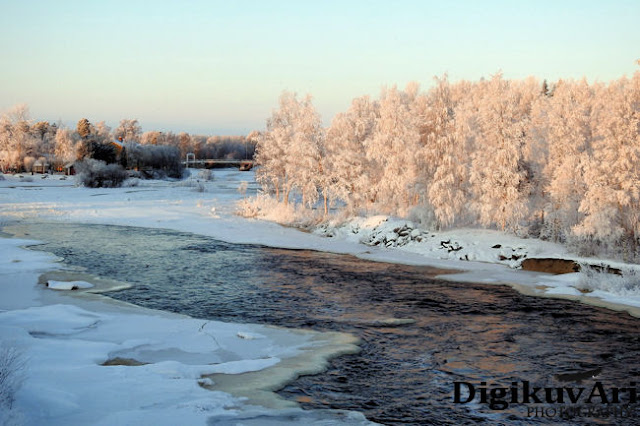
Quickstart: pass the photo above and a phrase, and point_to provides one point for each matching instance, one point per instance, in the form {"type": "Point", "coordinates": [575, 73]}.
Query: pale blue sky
{"type": "Point", "coordinates": [218, 67]}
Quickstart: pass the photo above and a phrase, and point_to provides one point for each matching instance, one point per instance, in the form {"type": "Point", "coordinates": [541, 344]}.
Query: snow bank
{"type": "Point", "coordinates": [491, 257]}
{"type": "Point", "coordinates": [460, 244]}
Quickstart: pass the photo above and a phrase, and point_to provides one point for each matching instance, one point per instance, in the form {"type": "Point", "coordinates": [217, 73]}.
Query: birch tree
{"type": "Point", "coordinates": [442, 155]}
{"type": "Point", "coordinates": [611, 204]}
{"type": "Point", "coordinates": [129, 130]}
{"type": "Point", "coordinates": [16, 140]}
{"type": "Point", "coordinates": [65, 146]}
{"type": "Point", "coordinates": [569, 139]}
{"type": "Point", "coordinates": [8, 156]}
{"type": "Point", "coordinates": [498, 176]}
{"type": "Point", "coordinates": [290, 150]}
{"type": "Point", "coordinates": [392, 152]}
{"type": "Point", "coordinates": [103, 131]}
{"type": "Point", "coordinates": [346, 159]}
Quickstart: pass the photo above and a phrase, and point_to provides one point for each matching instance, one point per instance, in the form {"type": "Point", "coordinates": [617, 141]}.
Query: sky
{"type": "Point", "coordinates": [218, 67]}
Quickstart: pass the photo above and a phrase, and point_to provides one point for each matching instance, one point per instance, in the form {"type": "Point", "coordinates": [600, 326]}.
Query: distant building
{"type": "Point", "coordinates": [40, 166]}
{"type": "Point", "coordinates": [70, 169]}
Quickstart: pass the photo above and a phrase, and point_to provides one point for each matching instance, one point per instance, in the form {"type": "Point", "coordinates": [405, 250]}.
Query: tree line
{"type": "Point", "coordinates": [557, 161]}
{"type": "Point", "coordinates": [24, 142]}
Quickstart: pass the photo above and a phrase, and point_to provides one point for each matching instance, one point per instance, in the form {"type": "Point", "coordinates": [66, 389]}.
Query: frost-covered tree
{"type": "Point", "coordinates": [65, 147]}
{"type": "Point", "coordinates": [229, 147]}
{"type": "Point", "coordinates": [611, 204]}
{"type": "Point", "coordinates": [28, 162]}
{"type": "Point", "coordinates": [43, 136]}
{"type": "Point", "coordinates": [536, 154]}
{"type": "Point", "coordinates": [91, 148]}
{"type": "Point", "coordinates": [498, 176]}
{"type": "Point", "coordinates": [94, 173]}
{"type": "Point", "coordinates": [129, 130]}
{"type": "Point", "coordinates": [307, 153]}
{"type": "Point", "coordinates": [271, 153]}
{"type": "Point", "coordinates": [289, 151]}
{"type": "Point", "coordinates": [84, 128]}
{"type": "Point", "coordinates": [185, 145]}
{"type": "Point", "coordinates": [392, 151]}
{"type": "Point", "coordinates": [164, 160]}
{"type": "Point", "coordinates": [16, 139]}
{"type": "Point", "coordinates": [8, 155]}
{"type": "Point", "coordinates": [559, 159]}
{"type": "Point", "coordinates": [442, 154]}
{"type": "Point", "coordinates": [569, 137]}
{"type": "Point", "coordinates": [103, 131]}
{"type": "Point", "coordinates": [346, 159]}
{"type": "Point", "coordinates": [151, 137]}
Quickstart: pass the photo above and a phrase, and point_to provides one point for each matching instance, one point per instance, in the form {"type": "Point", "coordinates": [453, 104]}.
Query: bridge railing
{"type": "Point", "coordinates": [218, 163]}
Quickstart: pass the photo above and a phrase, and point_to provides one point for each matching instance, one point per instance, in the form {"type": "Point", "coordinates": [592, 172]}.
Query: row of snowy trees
{"type": "Point", "coordinates": [203, 147]}
{"type": "Point", "coordinates": [160, 158]}
{"type": "Point", "coordinates": [23, 141]}
{"type": "Point", "coordinates": [560, 163]}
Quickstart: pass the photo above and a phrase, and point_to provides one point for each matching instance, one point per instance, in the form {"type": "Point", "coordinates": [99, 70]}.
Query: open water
{"type": "Point", "coordinates": [419, 335]}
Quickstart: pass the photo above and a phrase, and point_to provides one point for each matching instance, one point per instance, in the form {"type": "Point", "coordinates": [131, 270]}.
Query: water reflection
{"type": "Point", "coordinates": [420, 335]}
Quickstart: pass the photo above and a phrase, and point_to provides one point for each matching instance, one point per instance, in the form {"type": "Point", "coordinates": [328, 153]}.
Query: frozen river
{"type": "Point", "coordinates": [419, 335]}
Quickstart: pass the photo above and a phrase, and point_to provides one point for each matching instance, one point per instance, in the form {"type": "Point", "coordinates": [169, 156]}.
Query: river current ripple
{"type": "Point", "coordinates": [419, 335]}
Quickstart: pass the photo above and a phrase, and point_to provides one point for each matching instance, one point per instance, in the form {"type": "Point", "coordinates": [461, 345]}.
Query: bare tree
{"type": "Point", "coordinates": [12, 368]}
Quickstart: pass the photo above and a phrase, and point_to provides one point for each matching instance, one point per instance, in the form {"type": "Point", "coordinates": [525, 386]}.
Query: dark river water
{"type": "Point", "coordinates": [419, 335]}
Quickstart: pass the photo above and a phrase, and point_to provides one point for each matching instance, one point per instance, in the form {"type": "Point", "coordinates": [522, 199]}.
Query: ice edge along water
{"type": "Point", "coordinates": [68, 338]}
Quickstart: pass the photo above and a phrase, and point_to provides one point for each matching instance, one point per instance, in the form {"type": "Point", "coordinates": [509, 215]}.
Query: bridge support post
{"type": "Point", "coordinates": [191, 158]}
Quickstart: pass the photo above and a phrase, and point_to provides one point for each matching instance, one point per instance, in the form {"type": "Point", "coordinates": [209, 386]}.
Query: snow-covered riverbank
{"type": "Point", "coordinates": [65, 340]}
{"type": "Point", "coordinates": [495, 257]}
{"type": "Point", "coordinates": [85, 359]}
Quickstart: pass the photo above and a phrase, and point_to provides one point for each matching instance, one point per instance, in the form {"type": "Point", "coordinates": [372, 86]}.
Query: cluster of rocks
{"type": "Point", "coordinates": [511, 255]}
{"type": "Point", "coordinates": [450, 246]}
{"type": "Point", "coordinates": [388, 235]}
{"type": "Point", "coordinates": [399, 237]}
{"type": "Point", "coordinates": [506, 255]}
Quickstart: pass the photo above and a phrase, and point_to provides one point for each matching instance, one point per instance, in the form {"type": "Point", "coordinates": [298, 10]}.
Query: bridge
{"type": "Point", "coordinates": [191, 162]}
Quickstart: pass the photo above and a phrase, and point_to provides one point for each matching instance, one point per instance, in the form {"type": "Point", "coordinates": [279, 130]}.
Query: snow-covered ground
{"type": "Point", "coordinates": [65, 337]}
